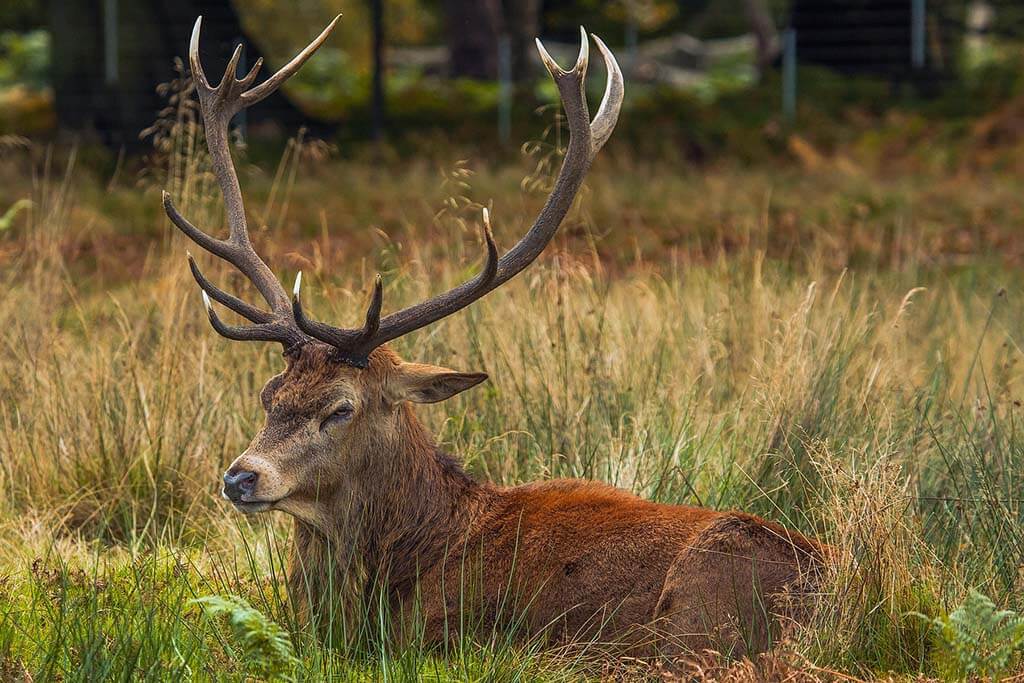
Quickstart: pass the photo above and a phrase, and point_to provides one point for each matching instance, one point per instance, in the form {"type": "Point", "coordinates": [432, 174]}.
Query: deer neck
{"type": "Point", "coordinates": [410, 504]}
{"type": "Point", "coordinates": [425, 507]}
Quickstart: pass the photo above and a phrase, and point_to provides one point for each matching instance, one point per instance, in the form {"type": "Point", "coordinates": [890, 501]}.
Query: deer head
{"type": "Point", "coordinates": [342, 405]}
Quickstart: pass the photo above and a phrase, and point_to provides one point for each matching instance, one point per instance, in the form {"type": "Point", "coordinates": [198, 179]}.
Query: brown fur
{"type": "Point", "coordinates": [378, 507]}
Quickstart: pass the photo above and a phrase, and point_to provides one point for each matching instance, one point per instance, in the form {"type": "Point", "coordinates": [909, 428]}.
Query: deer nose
{"type": "Point", "coordinates": [239, 483]}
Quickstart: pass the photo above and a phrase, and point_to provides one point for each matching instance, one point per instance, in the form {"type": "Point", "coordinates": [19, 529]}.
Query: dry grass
{"type": "Point", "coordinates": [831, 350]}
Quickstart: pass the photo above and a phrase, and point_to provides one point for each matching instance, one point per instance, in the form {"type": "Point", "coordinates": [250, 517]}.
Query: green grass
{"type": "Point", "coordinates": [827, 348]}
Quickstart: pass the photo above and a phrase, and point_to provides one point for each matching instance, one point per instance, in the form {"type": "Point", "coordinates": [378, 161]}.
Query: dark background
{"type": "Point", "coordinates": [89, 68]}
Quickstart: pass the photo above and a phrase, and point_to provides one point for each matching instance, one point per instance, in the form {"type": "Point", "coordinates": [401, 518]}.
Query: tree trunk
{"type": "Point", "coordinates": [523, 22]}
{"type": "Point", "coordinates": [473, 30]}
{"type": "Point", "coordinates": [763, 27]}
{"type": "Point", "coordinates": [105, 81]}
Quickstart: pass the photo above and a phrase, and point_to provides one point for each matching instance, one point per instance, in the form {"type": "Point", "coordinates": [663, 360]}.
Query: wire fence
{"type": "Point", "coordinates": [918, 44]}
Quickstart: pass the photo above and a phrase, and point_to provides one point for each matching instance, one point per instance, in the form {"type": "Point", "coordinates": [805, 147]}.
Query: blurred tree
{"type": "Point", "coordinates": [351, 70]}
{"type": "Point", "coordinates": [523, 23]}
{"type": "Point", "coordinates": [107, 58]}
{"type": "Point", "coordinates": [474, 28]}
{"type": "Point", "coordinates": [763, 27]}
{"type": "Point", "coordinates": [21, 15]}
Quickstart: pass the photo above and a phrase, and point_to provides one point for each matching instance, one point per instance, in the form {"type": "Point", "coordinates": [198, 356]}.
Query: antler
{"type": "Point", "coordinates": [219, 104]}
{"type": "Point", "coordinates": [586, 139]}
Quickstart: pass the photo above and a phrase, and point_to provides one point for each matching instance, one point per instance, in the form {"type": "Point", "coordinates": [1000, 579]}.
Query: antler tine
{"type": "Point", "coordinates": [289, 337]}
{"type": "Point", "coordinates": [349, 343]}
{"type": "Point", "coordinates": [244, 309]}
{"type": "Point", "coordinates": [585, 139]}
{"type": "Point", "coordinates": [611, 103]}
{"type": "Point", "coordinates": [218, 105]}
{"type": "Point", "coordinates": [248, 79]}
{"type": "Point", "coordinates": [231, 85]}
{"type": "Point", "coordinates": [287, 322]}
{"type": "Point", "coordinates": [490, 270]}
{"type": "Point", "coordinates": [354, 345]}
{"type": "Point", "coordinates": [372, 323]}
{"type": "Point", "coordinates": [198, 75]}
{"type": "Point", "coordinates": [285, 72]}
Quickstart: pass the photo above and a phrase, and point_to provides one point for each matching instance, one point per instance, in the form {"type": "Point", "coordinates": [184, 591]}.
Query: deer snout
{"type": "Point", "coordinates": [239, 484]}
{"type": "Point", "coordinates": [254, 483]}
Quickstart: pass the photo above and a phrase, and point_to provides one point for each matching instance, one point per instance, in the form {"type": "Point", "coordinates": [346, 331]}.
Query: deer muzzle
{"type": "Point", "coordinates": [239, 485]}
{"type": "Point", "coordinates": [254, 483]}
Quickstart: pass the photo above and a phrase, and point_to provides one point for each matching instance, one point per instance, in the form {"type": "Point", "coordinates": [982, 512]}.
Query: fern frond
{"type": "Point", "coordinates": [266, 647]}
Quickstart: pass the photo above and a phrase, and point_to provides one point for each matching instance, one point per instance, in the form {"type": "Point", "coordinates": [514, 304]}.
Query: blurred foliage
{"type": "Point", "coordinates": [278, 28]}
{"type": "Point", "coordinates": [976, 113]}
{"type": "Point", "coordinates": [24, 58]}
{"type": "Point", "coordinates": [340, 73]}
{"type": "Point", "coordinates": [610, 18]}
{"type": "Point", "coordinates": [26, 105]}
{"type": "Point", "coordinates": [647, 15]}
{"type": "Point", "coordinates": [326, 84]}
{"type": "Point", "coordinates": [729, 115]}
{"type": "Point", "coordinates": [652, 18]}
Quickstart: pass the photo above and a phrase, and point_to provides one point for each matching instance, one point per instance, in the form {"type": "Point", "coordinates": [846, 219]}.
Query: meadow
{"type": "Point", "coordinates": [833, 346]}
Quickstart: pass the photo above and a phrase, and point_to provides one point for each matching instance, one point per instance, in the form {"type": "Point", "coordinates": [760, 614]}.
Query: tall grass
{"type": "Point", "coordinates": [849, 375]}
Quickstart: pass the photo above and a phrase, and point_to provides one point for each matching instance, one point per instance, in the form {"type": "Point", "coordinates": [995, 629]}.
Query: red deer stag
{"type": "Point", "coordinates": [375, 501]}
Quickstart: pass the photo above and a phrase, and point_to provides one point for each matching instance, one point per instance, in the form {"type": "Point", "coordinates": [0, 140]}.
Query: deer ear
{"type": "Point", "coordinates": [420, 383]}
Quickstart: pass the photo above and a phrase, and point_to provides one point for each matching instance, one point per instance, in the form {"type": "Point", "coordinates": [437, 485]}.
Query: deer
{"type": "Point", "coordinates": [379, 509]}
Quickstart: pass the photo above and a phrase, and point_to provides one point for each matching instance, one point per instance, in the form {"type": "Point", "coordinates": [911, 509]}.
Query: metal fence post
{"type": "Point", "coordinates": [789, 74]}
{"type": "Point", "coordinates": [504, 88]}
{"type": "Point", "coordinates": [918, 14]}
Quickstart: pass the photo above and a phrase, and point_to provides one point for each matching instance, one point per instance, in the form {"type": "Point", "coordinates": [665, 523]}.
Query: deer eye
{"type": "Point", "coordinates": [341, 415]}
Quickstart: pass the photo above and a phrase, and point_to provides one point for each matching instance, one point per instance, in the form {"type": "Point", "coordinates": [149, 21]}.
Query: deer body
{"type": "Point", "coordinates": [380, 512]}
{"type": "Point", "coordinates": [569, 559]}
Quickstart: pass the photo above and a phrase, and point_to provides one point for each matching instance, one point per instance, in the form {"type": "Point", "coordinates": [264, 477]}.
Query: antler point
{"type": "Point", "coordinates": [584, 58]}
{"type": "Point", "coordinates": [550, 64]}
{"type": "Point", "coordinates": [193, 56]}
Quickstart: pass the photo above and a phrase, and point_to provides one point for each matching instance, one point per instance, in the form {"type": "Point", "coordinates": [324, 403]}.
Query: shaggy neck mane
{"type": "Point", "coordinates": [412, 502]}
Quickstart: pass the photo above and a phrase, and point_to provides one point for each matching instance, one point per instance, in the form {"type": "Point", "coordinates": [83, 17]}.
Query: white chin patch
{"type": "Point", "coordinates": [253, 508]}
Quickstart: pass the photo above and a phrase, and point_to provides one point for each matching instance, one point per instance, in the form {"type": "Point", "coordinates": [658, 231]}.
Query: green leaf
{"type": "Point", "coordinates": [266, 647]}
